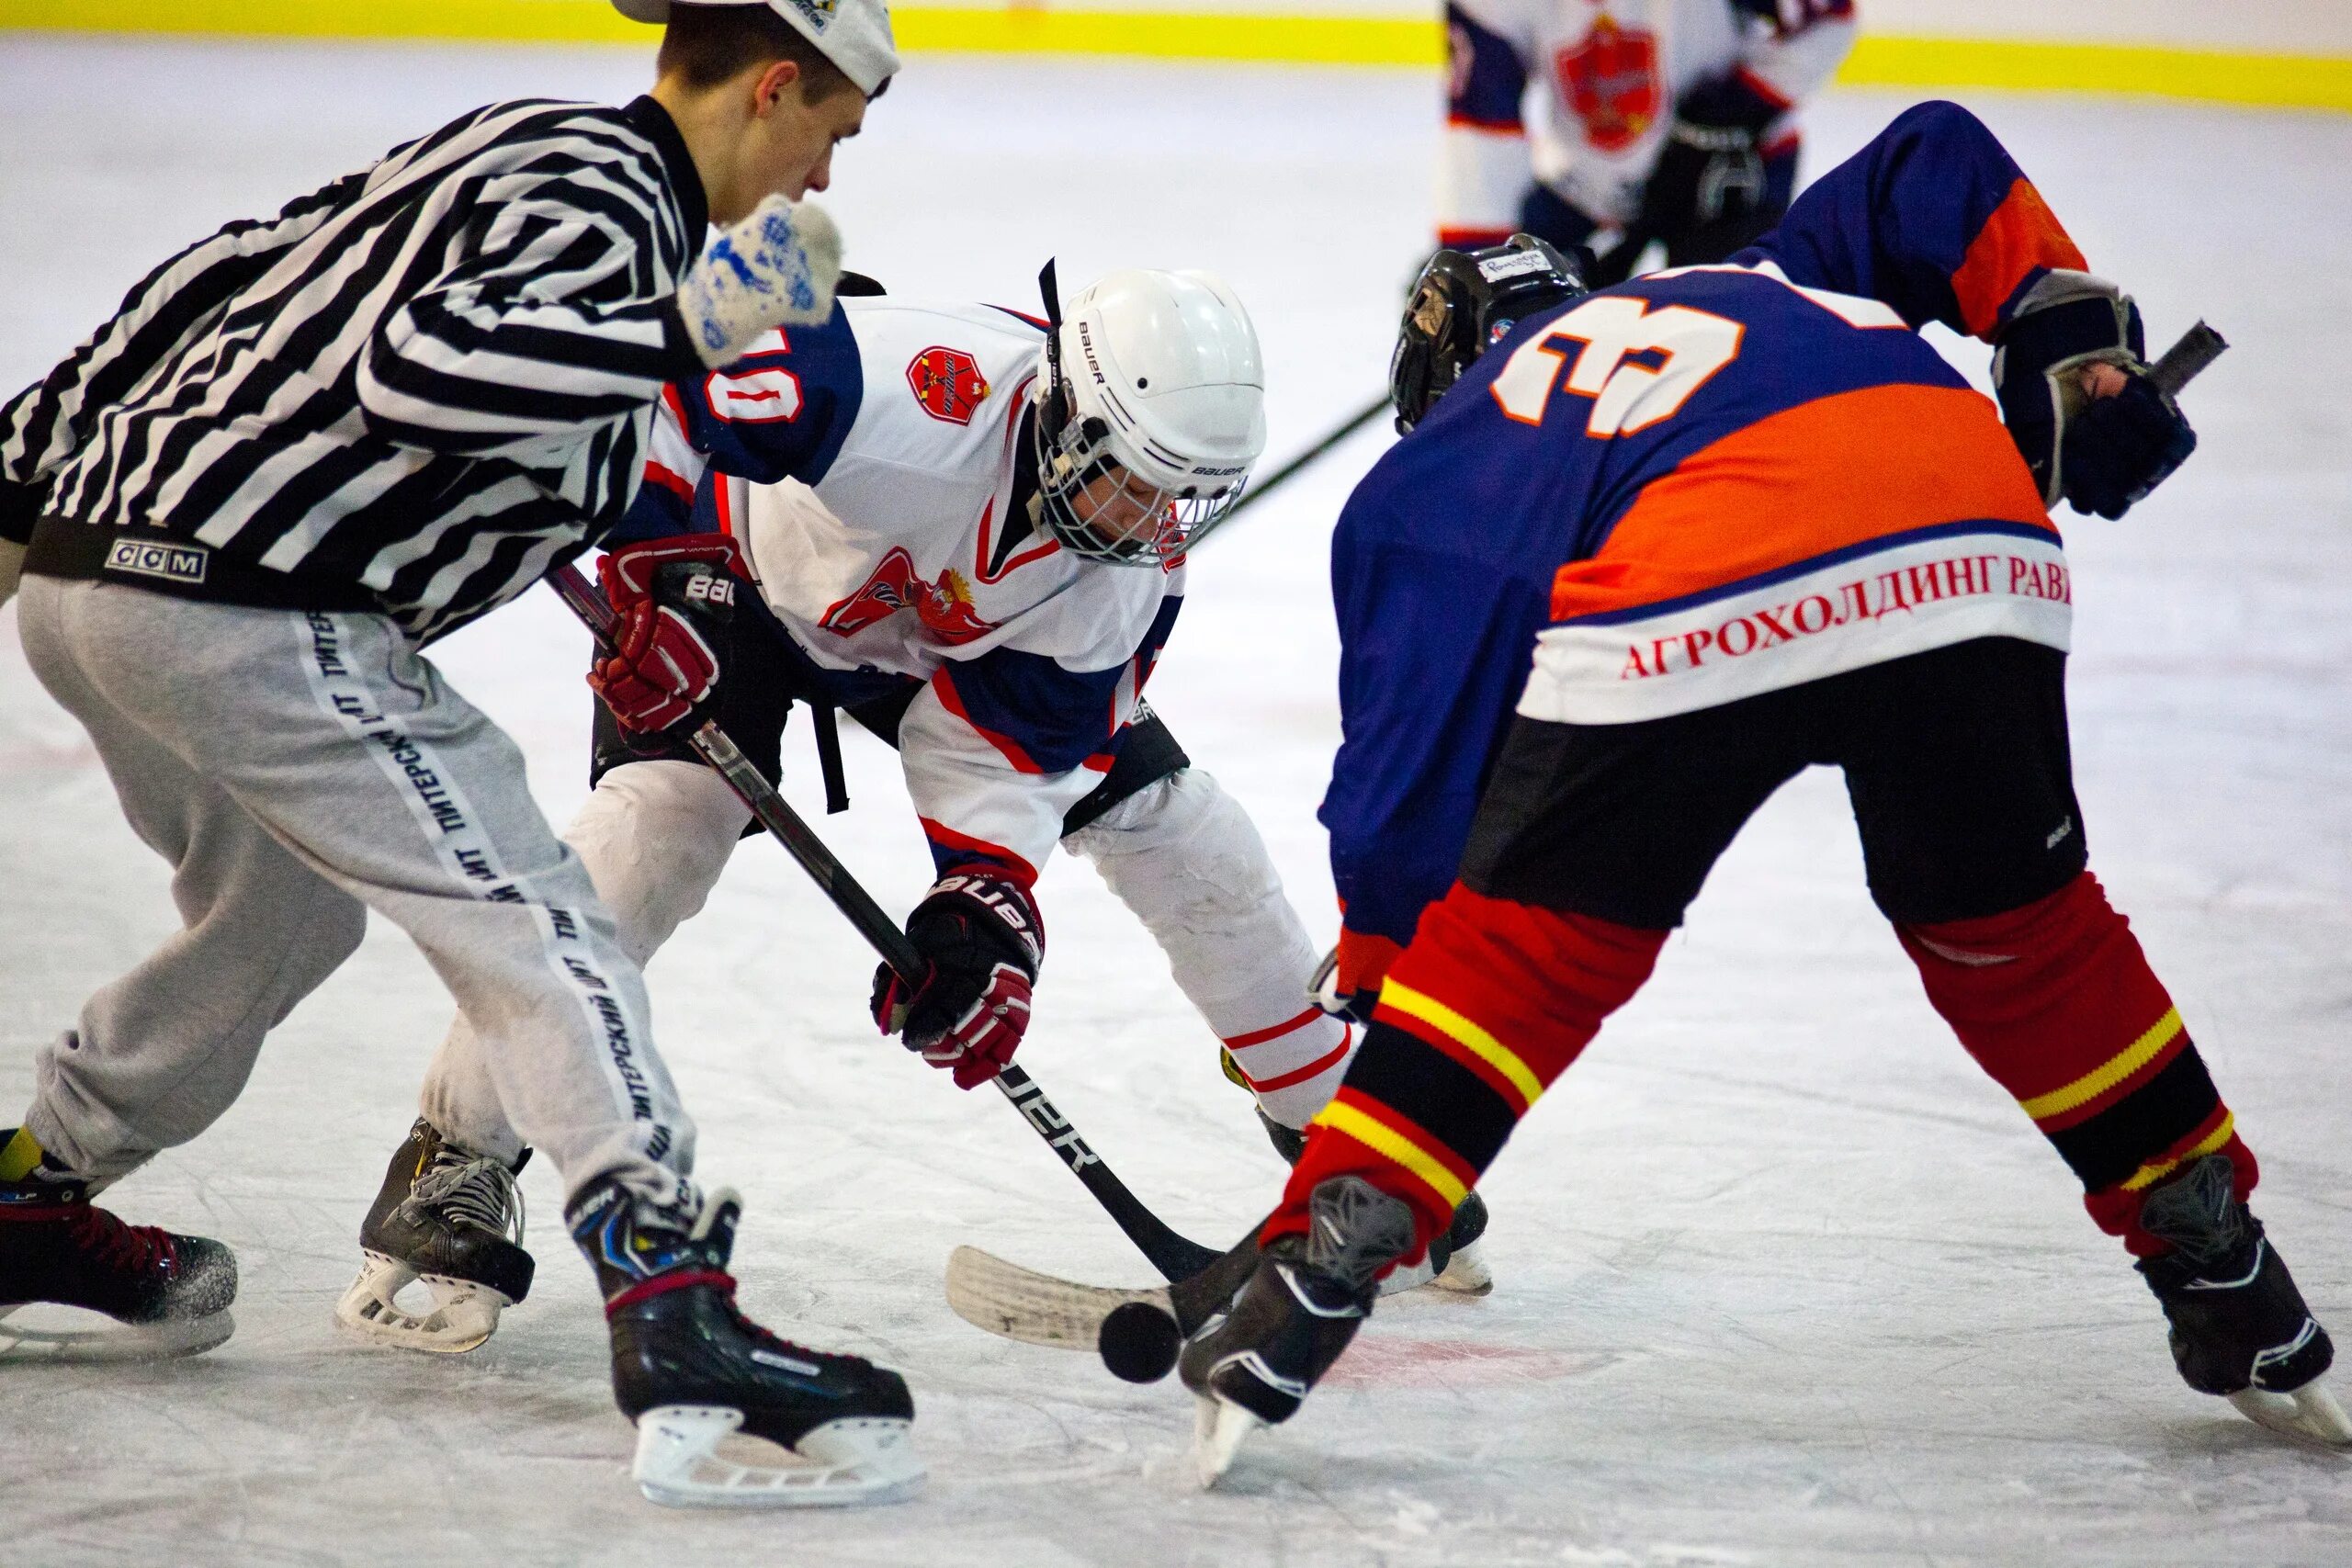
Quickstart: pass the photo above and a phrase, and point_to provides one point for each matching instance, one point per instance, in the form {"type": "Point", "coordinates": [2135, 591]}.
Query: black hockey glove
{"type": "Point", "coordinates": [2101, 455]}
{"type": "Point", "coordinates": [1705, 195]}
{"type": "Point", "coordinates": [981, 937]}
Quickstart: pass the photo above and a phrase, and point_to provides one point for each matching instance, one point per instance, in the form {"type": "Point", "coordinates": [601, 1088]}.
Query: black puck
{"type": "Point", "coordinates": [1139, 1342]}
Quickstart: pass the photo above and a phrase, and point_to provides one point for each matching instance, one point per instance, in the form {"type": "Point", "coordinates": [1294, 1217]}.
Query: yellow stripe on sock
{"type": "Point", "coordinates": [18, 1155]}
{"type": "Point", "coordinates": [1381, 1138]}
{"type": "Point", "coordinates": [2109, 1073]}
{"type": "Point", "coordinates": [2156, 1170]}
{"type": "Point", "coordinates": [1464, 1032]}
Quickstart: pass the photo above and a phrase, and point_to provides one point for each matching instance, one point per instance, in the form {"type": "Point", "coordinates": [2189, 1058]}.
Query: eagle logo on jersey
{"type": "Point", "coordinates": [1610, 80]}
{"type": "Point", "coordinates": [947, 383]}
{"type": "Point", "coordinates": [945, 607]}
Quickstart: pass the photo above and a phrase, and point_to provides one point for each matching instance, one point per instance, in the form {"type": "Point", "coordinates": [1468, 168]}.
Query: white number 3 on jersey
{"type": "Point", "coordinates": [1638, 365]}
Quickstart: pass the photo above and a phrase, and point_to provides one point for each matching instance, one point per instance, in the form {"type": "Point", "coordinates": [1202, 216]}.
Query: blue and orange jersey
{"type": "Point", "coordinates": [1689, 489]}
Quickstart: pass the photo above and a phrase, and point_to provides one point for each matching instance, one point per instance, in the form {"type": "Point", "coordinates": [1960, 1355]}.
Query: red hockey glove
{"type": "Point", "coordinates": [674, 598]}
{"type": "Point", "coordinates": [982, 940]}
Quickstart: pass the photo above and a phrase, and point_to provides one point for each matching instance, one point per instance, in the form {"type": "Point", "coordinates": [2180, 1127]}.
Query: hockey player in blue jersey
{"type": "Point", "coordinates": [1647, 553]}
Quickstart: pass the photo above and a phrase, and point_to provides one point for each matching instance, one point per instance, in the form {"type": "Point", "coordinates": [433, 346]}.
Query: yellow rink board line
{"type": "Point", "coordinates": [2277, 79]}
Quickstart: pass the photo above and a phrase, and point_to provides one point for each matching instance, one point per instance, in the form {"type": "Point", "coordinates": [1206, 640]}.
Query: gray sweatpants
{"type": "Point", "coordinates": [298, 769]}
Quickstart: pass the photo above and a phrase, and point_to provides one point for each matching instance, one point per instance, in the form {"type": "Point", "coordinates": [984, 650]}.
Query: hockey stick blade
{"type": "Point", "coordinates": [1173, 1255]}
{"type": "Point", "coordinates": [1013, 1303]}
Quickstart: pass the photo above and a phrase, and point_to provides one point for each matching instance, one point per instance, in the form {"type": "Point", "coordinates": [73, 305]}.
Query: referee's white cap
{"type": "Point", "coordinates": [853, 34]}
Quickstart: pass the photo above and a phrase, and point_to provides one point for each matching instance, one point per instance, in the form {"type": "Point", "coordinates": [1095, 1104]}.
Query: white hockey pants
{"type": "Point", "coordinates": [1182, 853]}
{"type": "Point", "coordinates": [297, 770]}
{"type": "Point", "coordinates": [1184, 856]}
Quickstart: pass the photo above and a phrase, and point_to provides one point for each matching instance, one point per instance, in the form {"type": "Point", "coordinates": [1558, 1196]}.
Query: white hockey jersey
{"type": "Point", "coordinates": [1577, 95]}
{"type": "Point", "coordinates": [874, 468]}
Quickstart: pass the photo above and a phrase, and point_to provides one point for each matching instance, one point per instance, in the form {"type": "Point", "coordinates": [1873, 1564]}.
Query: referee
{"type": "Point", "coordinates": [305, 447]}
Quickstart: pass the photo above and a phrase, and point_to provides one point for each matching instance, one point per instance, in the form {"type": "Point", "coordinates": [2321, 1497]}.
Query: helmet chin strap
{"type": "Point", "coordinates": [1056, 401]}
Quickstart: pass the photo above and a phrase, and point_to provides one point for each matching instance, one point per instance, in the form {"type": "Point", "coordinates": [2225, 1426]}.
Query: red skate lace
{"type": "Point", "coordinates": [719, 1281]}
{"type": "Point", "coordinates": [136, 1249]}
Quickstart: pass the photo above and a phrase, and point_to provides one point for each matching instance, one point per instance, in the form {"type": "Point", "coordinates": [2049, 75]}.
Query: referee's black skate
{"type": "Point", "coordinates": [1254, 1365]}
{"type": "Point", "coordinates": [448, 1220]}
{"type": "Point", "coordinates": [691, 1370]}
{"type": "Point", "coordinates": [2239, 1325]}
{"type": "Point", "coordinates": [168, 1294]}
{"type": "Point", "coordinates": [1456, 1262]}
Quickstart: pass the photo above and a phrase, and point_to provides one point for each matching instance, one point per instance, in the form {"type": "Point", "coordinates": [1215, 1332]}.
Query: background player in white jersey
{"type": "Point", "coordinates": [983, 573]}
{"type": "Point", "coordinates": [1667, 120]}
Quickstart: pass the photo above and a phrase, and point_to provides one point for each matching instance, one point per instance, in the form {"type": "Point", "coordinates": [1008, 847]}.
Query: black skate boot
{"type": "Point", "coordinates": [170, 1293]}
{"type": "Point", "coordinates": [448, 1220]}
{"type": "Point", "coordinates": [689, 1368]}
{"type": "Point", "coordinates": [2239, 1326]}
{"type": "Point", "coordinates": [1254, 1365]}
{"type": "Point", "coordinates": [1455, 1262]}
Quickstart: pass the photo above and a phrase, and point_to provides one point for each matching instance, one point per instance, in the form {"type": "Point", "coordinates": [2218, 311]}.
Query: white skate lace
{"type": "Point", "coordinates": [478, 1191]}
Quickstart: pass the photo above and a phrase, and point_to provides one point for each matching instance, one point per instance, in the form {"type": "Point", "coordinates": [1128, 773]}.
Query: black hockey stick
{"type": "Point", "coordinates": [1176, 1257]}
{"type": "Point", "coordinates": [1275, 480]}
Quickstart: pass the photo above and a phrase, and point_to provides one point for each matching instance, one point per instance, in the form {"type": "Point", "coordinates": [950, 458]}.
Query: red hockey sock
{"type": "Point", "coordinates": [1489, 1004]}
{"type": "Point", "coordinates": [2057, 1002]}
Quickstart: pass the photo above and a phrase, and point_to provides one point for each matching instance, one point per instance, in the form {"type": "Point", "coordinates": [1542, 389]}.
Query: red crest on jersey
{"type": "Point", "coordinates": [1610, 80]}
{"type": "Point", "coordinates": [945, 607]}
{"type": "Point", "coordinates": [947, 383]}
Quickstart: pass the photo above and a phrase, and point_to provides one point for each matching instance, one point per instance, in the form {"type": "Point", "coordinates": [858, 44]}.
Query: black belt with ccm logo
{"type": "Point", "coordinates": [142, 557]}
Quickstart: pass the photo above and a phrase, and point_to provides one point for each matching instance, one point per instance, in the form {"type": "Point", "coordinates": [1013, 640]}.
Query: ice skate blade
{"type": "Point", "coordinates": [1466, 1273]}
{"type": "Point", "coordinates": [124, 1342]}
{"type": "Point", "coordinates": [464, 1314]}
{"type": "Point", "coordinates": [850, 1463]}
{"type": "Point", "coordinates": [1219, 1429]}
{"type": "Point", "coordinates": [2310, 1413]}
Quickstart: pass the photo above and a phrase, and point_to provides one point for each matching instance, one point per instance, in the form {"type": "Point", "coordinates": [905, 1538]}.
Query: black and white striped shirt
{"type": "Point", "coordinates": [426, 381]}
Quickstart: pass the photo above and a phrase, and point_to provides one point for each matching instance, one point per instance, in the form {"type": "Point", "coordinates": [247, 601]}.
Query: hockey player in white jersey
{"type": "Point", "coordinates": [982, 569]}
{"type": "Point", "coordinates": [1667, 120]}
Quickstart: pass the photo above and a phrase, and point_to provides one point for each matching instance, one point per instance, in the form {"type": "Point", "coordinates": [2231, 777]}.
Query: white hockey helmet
{"type": "Point", "coordinates": [1151, 410]}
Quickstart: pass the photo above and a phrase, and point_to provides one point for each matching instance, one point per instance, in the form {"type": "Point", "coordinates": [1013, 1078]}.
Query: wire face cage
{"type": "Point", "coordinates": [1099, 508]}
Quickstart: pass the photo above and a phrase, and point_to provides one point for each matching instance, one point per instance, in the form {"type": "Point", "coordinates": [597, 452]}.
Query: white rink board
{"type": "Point", "coordinates": [1782, 1280]}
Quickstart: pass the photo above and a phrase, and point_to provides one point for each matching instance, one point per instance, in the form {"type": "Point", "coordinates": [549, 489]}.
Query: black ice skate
{"type": "Point", "coordinates": [1254, 1365]}
{"type": "Point", "coordinates": [690, 1369]}
{"type": "Point", "coordinates": [168, 1294]}
{"type": "Point", "coordinates": [2239, 1326]}
{"type": "Point", "coordinates": [1455, 1262]}
{"type": "Point", "coordinates": [453, 1223]}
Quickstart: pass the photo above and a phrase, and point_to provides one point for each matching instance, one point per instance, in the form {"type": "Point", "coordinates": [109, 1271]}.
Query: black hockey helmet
{"type": "Point", "coordinates": [1462, 303]}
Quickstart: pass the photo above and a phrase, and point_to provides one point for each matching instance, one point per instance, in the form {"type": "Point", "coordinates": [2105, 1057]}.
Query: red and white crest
{"type": "Point", "coordinates": [945, 607]}
{"type": "Point", "coordinates": [1611, 79]}
{"type": "Point", "coordinates": [947, 383]}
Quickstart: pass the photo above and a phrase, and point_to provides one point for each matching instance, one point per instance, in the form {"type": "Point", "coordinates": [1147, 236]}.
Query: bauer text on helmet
{"type": "Point", "coordinates": [853, 34]}
{"type": "Point", "coordinates": [1145, 442]}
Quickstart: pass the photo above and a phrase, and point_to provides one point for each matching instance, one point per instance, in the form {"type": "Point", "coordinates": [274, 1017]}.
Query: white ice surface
{"type": "Point", "coordinates": [1782, 1280]}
